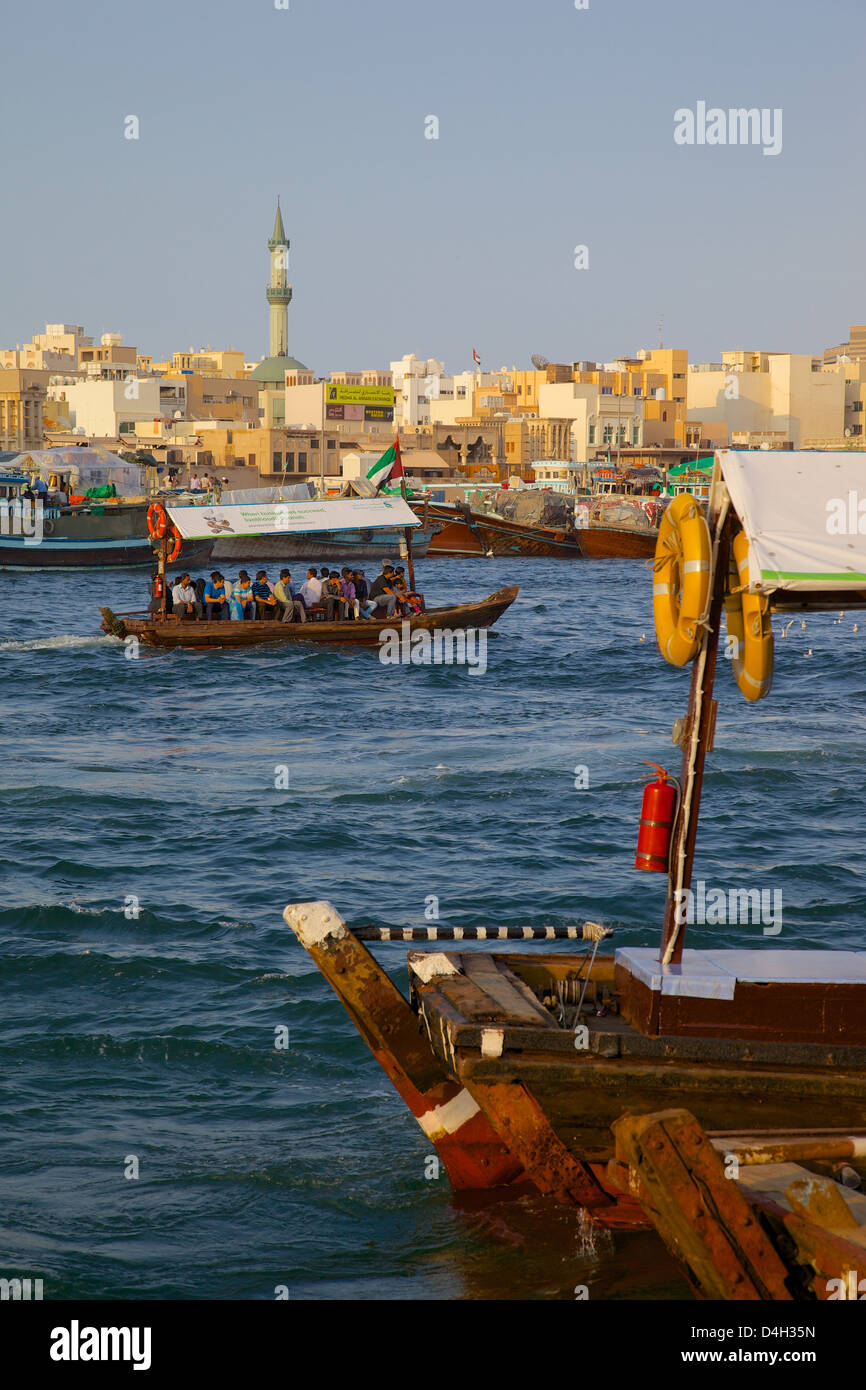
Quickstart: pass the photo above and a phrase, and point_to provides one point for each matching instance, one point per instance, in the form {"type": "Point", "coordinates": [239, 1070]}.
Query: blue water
{"type": "Point", "coordinates": [153, 1037]}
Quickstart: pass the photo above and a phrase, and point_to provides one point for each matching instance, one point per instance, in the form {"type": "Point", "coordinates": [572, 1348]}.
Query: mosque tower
{"type": "Point", "coordinates": [279, 291]}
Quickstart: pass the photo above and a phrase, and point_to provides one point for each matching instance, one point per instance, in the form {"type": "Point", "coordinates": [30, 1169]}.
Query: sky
{"type": "Point", "coordinates": [555, 131]}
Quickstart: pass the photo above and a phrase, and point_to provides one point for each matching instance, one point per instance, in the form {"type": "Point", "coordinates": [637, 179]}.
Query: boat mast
{"type": "Point", "coordinates": [696, 739]}
{"type": "Point", "coordinates": [408, 529]}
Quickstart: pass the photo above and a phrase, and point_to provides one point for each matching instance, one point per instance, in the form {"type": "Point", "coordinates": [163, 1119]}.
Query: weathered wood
{"type": "Point", "coordinates": [520, 1121]}
{"type": "Point", "coordinates": [516, 1001]}
{"type": "Point", "coordinates": [471, 1151]}
{"type": "Point", "coordinates": [700, 712]}
{"type": "Point", "coordinates": [700, 1214]}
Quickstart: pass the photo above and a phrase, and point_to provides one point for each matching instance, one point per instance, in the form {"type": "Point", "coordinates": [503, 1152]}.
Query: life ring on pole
{"type": "Point", "coordinates": [750, 631]}
{"type": "Point", "coordinates": [681, 584]}
{"type": "Point", "coordinates": [157, 521]}
{"type": "Point", "coordinates": [178, 544]}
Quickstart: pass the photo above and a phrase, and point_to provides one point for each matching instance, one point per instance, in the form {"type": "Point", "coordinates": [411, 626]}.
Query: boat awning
{"type": "Point", "coordinates": [803, 515]}
{"type": "Point", "coordinates": [273, 518]}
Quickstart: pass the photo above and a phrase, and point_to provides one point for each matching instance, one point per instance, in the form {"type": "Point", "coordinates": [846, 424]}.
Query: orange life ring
{"type": "Point", "coordinates": [178, 544]}
{"type": "Point", "coordinates": [158, 527]}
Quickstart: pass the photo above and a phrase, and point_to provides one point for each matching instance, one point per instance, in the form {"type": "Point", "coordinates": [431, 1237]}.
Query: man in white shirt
{"type": "Point", "coordinates": [183, 600]}
{"type": "Point", "coordinates": [195, 483]}
{"type": "Point", "coordinates": [311, 589]}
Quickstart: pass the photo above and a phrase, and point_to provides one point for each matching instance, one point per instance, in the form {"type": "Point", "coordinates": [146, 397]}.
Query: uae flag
{"type": "Point", "coordinates": [387, 468]}
{"type": "Point", "coordinates": [475, 358]}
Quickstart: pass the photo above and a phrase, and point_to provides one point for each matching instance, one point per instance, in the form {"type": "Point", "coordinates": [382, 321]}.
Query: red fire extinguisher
{"type": "Point", "coordinates": [158, 586]}
{"type": "Point", "coordinates": [656, 822]}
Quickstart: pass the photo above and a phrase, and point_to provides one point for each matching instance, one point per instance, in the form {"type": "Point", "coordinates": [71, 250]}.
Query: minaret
{"type": "Point", "coordinates": [279, 291]}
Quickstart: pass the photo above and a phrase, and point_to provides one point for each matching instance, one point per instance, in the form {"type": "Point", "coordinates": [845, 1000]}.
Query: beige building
{"type": "Point", "coordinates": [55, 350]}
{"type": "Point", "coordinates": [787, 396]}
{"type": "Point", "coordinates": [22, 399]}
{"type": "Point", "coordinates": [111, 351]}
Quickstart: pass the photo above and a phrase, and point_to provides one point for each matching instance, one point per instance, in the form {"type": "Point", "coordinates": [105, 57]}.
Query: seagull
{"type": "Point", "coordinates": [856, 627]}
{"type": "Point", "coordinates": [808, 653]}
{"type": "Point", "coordinates": [784, 632]}
{"type": "Point", "coordinates": [489, 555]}
{"type": "Point", "coordinates": [803, 625]}
{"type": "Point", "coordinates": [643, 637]}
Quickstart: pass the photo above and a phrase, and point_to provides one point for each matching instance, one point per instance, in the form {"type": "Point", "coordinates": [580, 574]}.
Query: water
{"type": "Point", "coordinates": [152, 1037]}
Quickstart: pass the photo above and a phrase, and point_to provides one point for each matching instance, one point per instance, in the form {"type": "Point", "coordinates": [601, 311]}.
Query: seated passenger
{"type": "Point", "coordinates": [266, 604]}
{"type": "Point", "coordinates": [291, 606]}
{"type": "Point", "coordinates": [311, 590]}
{"type": "Point", "coordinates": [245, 596]}
{"type": "Point", "coordinates": [215, 600]}
{"type": "Point", "coordinates": [183, 600]}
{"type": "Point", "coordinates": [350, 598]}
{"type": "Point", "coordinates": [382, 594]}
{"type": "Point", "coordinates": [332, 597]}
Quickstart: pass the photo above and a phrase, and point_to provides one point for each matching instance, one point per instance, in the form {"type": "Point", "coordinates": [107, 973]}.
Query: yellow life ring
{"type": "Point", "coordinates": [681, 585]}
{"type": "Point", "coordinates": [750, 631]}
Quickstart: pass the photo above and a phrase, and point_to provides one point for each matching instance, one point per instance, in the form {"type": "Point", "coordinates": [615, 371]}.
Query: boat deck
{"type": "Point", "coordinates": [511, 1020]}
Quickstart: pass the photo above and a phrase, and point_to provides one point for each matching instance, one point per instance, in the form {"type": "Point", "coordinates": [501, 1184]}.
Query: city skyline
{"type": "Point", "coordinates": [554, 131]}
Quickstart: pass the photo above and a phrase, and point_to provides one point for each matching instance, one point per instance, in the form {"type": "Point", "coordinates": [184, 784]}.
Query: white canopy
{"type": "Point", "coordinates": [277, 518]}
{"type": "Point", "coordinates": [804, 514]}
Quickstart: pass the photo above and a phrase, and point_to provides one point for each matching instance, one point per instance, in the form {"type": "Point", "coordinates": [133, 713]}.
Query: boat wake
{"type": "Point", "coordinates": [61, 643]}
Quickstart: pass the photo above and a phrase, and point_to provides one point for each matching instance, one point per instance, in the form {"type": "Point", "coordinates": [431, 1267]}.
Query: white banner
{"type": "Point", "coordinates": [275, 518]}
{"type": "Point", "coordinates": [804, 514]}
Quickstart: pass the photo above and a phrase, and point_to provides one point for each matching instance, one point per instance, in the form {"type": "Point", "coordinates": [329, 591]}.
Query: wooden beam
{"type": "Point", "coordinates": [471, 1151]}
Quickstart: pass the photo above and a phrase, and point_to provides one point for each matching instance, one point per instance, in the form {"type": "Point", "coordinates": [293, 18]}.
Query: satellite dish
{"type": "Point", "coordinates": [539, 362]}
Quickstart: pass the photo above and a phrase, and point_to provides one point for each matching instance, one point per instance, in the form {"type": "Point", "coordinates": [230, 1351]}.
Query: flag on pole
{"type": "Point", "coordinates": [386, 468]}
{"type": "Point", "coordinates": [475, 357]}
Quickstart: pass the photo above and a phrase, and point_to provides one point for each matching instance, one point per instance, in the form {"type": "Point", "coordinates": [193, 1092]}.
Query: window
{"type": "Point", "coordinates": [302, 461]}
{"type": "Point", "coordinates": [591, 436]}
{"type": "Point", "coordinates": [278, 461]}
{"type": "Point", "coordinates": [332, 443]}
{"type": "Point", "coordinates": [314, 443]}
{"type": "Point", "coordinates": [635, 433]}
{"type": "Point", "coordinates": [607, 435]}
{"type": "Point", "coordinates": [290, 463]}
{"type": "Point", "coordinates": [679, 376]}
{"type": "Point", "coordinates": [638, 390]}
{"type": "Point", "coordinates": [607, 390]}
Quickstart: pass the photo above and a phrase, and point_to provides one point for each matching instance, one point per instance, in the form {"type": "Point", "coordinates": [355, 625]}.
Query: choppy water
{"type": "Point", "coordinates": [154, 1036]}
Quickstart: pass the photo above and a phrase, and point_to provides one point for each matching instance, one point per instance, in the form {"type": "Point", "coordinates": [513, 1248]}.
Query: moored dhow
{"type": "Point", "coordinates": [518, 1067]}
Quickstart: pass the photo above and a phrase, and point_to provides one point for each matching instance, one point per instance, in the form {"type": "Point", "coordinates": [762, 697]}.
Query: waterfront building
{"type": "Point", "coordinates": [854, 349]}
{"type": "Point", "coordinates": [763, 397]}
{"type": "Point", "coordinates": [22, 400]}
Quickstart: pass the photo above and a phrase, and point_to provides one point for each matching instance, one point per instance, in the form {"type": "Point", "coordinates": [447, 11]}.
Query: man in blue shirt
{"type": "Point", "coordinates": [215, 597]}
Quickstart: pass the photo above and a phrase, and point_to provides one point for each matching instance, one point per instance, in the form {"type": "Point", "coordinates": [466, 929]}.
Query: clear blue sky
{"type": "Point", "coordinates": [556, 128]}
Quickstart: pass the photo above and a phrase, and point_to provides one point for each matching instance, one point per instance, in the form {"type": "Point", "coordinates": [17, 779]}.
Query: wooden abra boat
{"type": "Point", "coordinates": [164, 630]}
{"type": "Point", "coordinates": [518, 1068]}
{"type": "Point", "coordinates": [466, 532]}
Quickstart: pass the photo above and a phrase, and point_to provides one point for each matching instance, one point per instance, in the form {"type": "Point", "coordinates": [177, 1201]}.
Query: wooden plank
{"type": "Point", "coordinates": [515, 999]}
{"type": "Point", "coordinates": [701, 1215]}
{"type": "Point", "coordinates": [523, 1127]}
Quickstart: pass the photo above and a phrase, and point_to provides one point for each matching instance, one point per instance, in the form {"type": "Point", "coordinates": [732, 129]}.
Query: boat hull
{"type": "Point", "coordinates": [112, 536]}
{"type": "Point", "coordinates": [617, 543]}
{"type": "Point", "coordinates": [201, 636]}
